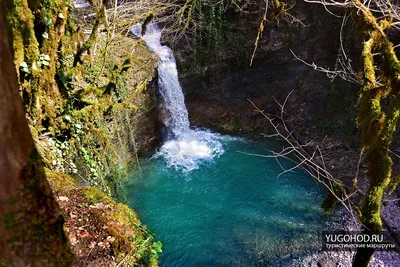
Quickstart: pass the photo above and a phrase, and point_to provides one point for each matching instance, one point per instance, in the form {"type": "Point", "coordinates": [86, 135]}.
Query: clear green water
{"type": "Point", "coordinates": [232, 211]}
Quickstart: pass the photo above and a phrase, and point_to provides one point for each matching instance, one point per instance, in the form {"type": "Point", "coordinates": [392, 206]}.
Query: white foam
{"type": "Point", "coordinates": [188, 151]}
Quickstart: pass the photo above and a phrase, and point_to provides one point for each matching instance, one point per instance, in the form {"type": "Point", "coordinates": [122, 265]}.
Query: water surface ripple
{"type": "Point", "coordinates": [230, 211]}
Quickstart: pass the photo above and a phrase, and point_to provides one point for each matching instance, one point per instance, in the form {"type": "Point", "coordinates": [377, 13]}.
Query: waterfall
{"type": "Point", "coordinates": [185, 148]}
{"type": "Point", "coordinates": [175, 115]}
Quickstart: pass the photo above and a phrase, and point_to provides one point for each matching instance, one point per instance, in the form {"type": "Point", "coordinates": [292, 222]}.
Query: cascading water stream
{"type": "Point", "coordinates": [175, 115]}
{"type": "Point", "coordinates": [185, 148]}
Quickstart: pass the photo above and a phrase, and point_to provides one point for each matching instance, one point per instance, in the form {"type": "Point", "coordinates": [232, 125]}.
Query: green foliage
{"type": "Point", "coordinates": [157, 246]}
{"type": "Point", "coordinates": [47, 21]}
{"type": "Point", "coordinates": [216, 33]}
{"type": "Point", "coordinates": [25, 67]}
{"type": "Point", "coordinates": [208, 17]}
{"type": "Point", "coordinates": [116, 177]}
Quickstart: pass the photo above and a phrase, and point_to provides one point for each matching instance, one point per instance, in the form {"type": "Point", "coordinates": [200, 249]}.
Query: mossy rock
{"type": "Point", "coordinates": [95, 220]}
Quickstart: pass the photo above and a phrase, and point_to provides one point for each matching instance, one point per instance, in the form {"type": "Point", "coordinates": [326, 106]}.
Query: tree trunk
{"type": "Point", "coordinates": [31, 225]}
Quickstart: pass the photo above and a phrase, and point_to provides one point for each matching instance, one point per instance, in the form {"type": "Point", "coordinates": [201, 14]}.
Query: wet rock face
{"type": "Point", "coordinates": [218, 97]}
{"type": "Point", "coordinates": [221, 102]}
{"type": "Point", "coordinates": [307, 29]}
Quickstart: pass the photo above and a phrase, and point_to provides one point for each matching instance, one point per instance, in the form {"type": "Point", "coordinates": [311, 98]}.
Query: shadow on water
{"type": "Point", "coordinates": [231, 211]}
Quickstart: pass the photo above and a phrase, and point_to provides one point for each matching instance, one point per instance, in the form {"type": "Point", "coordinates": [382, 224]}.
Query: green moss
{"type": "Point", "coordinates": [20, 25]}
{"type": "Point", "coordinates": [133, 243]}
{"type": "Point", "coordinates": [93, 36]}
{"type": "Point", "coordinates": [377, 124]}
{"type": "Point", "coordinates": [35, 30]}
{"type": "Point", "coordinates": [60, 181]}
{"type": "Point", "coordinates": [336, 188]}
{"type": "Point", "coordinates": [94, 196]}
{"type": "Point", "coordinates": [394, 182]}
{"type": "Point", "coordinates": [132, 240]}
{"type": "Point", "coordinates": [278, 9]}
{"type": "Point", "coordinates": [38, 31]}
